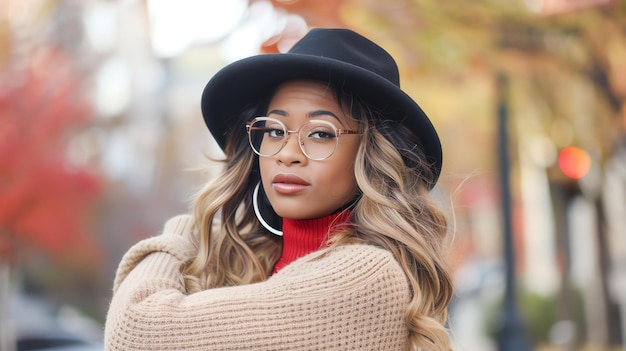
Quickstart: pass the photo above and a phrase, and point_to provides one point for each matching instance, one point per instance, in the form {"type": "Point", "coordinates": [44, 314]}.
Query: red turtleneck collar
{"type": "Point", "coordinates": [303, 236]}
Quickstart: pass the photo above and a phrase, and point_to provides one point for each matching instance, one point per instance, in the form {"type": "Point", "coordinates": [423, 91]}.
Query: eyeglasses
{"type": "Point", "coordinates": [317, 139]}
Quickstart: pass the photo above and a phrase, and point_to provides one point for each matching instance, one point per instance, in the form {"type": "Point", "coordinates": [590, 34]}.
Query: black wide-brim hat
{"type": "Point", "coordinates": [339, 56]}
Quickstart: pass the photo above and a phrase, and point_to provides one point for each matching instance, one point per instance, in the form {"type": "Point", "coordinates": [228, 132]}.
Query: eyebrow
{"type": "Point", "coordinates": [311, 114]}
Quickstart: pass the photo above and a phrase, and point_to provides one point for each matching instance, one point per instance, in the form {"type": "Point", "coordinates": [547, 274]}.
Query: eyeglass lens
{"type": "Point", "coordinates": [317, 139]}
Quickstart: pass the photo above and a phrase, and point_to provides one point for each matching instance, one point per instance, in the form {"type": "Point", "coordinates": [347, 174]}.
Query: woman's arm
{"type": "Point", "coordinates": [349, 297]}
{"type": "Point", "coordinates": [175, 240]}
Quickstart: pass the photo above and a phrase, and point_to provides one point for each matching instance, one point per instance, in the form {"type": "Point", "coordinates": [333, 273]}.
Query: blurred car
{"type": "Point", "coordinates": [41, 326]}
{"type": "Point", "coordinates": [55, 341]}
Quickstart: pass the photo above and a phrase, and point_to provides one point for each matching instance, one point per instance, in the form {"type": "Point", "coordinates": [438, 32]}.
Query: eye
{"type": "Point", "coordinates": [275, 132]}
{"type": "Point", "coordinates": [321, 133]}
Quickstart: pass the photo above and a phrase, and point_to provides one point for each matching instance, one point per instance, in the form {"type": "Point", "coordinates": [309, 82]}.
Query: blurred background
{"type": "Point", "coordinates": [101, 137]}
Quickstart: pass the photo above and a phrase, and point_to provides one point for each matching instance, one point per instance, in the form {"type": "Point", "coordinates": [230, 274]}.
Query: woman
{"type": "Point", "coordinates": [320, 234]}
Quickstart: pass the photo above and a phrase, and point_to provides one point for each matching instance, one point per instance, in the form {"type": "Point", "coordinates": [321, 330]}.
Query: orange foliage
{"type": "Point", "coordinates": [322, 13]}
{"type": "Point", "coordinates": [316, 13]}
{"type": "Point", "coordinates": [44, 200]}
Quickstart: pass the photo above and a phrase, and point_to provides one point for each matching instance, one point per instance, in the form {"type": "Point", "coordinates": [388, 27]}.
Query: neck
{"type": "Point", "coordinates": [303, 236]}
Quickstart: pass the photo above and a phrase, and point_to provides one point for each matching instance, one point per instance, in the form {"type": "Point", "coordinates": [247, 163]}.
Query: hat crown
{"type": "Point", "coordinates": [350, 48]}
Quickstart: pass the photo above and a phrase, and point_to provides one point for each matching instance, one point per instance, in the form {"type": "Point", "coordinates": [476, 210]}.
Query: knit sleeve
{"type": "Point", "coordinates": [344, 298]}
{"type": "Point", "coordinates": [174, 240]}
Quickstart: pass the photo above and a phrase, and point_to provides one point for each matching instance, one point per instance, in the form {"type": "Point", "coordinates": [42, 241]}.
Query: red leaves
{"type": "Point", "coordinates": [44, 200]}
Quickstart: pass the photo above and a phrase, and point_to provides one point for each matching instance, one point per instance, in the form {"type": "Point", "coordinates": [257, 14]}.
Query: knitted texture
{"type": "Point", "coordinates": [349, 297]}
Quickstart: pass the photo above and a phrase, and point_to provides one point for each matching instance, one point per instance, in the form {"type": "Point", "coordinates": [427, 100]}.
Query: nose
{"type": "Point", "coordinates": [291, 153]}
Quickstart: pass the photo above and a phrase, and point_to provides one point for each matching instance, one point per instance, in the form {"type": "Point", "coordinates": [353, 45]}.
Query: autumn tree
{"type": "Point", "coordinates": [46, 199]}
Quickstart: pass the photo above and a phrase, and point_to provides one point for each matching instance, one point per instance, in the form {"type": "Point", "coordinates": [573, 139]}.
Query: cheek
{"type": "Point", "coordinates": [340, 178]}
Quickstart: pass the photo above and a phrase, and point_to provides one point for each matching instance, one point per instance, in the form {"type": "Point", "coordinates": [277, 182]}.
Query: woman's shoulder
{"type": "Point", "coordinates": [348, 257]}
{"type": "Point", "coordinates": [361, 252]}
{"type": "Point", "coordinates": [347, 267]}
{"type": "Point", "coordinates": [357, 255]}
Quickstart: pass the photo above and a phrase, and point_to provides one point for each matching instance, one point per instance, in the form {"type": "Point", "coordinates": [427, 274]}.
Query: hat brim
{"type": "Point", "coordinates": [248, 80]}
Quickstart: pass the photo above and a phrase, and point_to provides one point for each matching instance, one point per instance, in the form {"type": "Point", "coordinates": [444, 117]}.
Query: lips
{"type": "Point", "coordinates": [289, 184]}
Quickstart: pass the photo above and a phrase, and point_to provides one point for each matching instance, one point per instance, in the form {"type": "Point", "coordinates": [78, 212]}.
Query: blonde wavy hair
{"type": "Point", "coordinates": [395, 211]}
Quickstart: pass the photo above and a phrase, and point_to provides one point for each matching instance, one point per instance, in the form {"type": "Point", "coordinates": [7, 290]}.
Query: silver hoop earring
{"type": "Point", "coordinates": [255, 205]}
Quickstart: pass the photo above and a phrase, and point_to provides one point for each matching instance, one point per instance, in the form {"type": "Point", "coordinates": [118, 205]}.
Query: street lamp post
{"type": "Point", "coordinates": [510, 333]}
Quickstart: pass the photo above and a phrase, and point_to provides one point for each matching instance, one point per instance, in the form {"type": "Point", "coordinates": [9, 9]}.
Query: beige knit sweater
{"type": "Point", "coordinates": [352, 297]}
